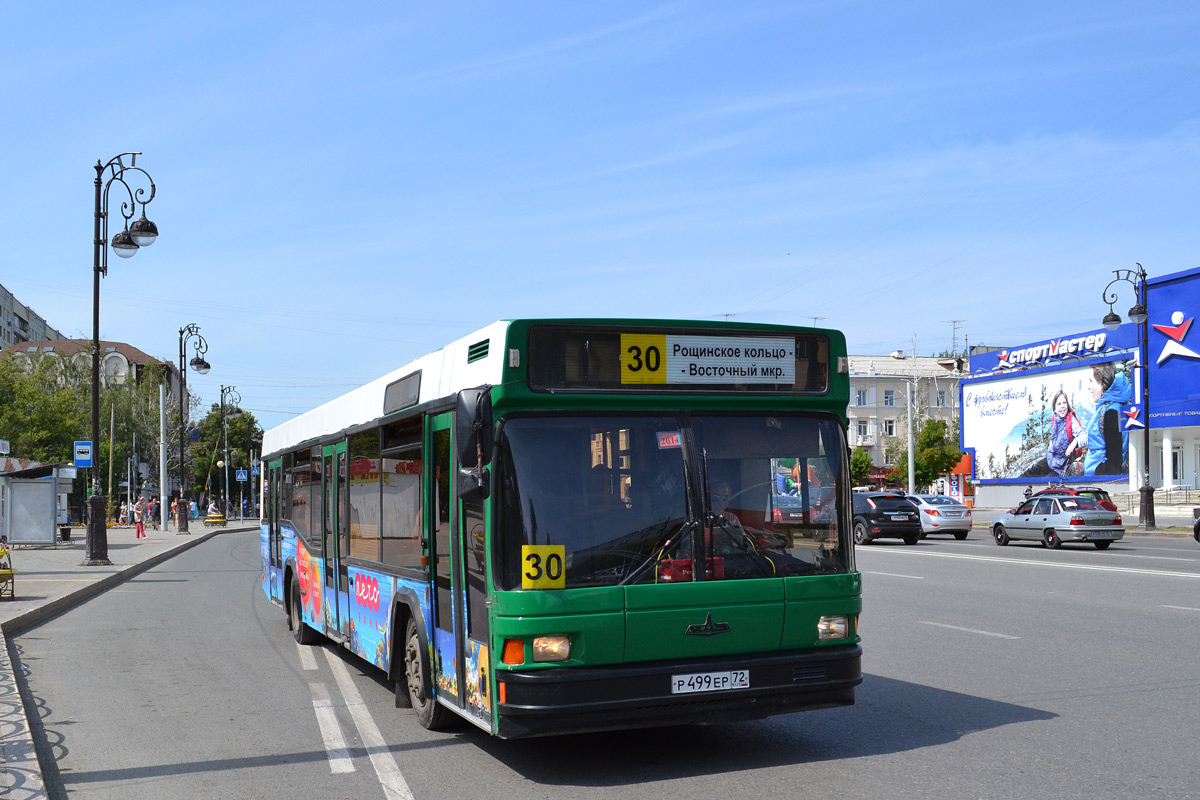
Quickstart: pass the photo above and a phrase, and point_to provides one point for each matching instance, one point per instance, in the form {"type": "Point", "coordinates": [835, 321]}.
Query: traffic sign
{"type": "Point", "coordinates": [254, 470]}
{"type": "Point", "coordinates": [83, 454]}
{"type": "Point", "coordinates": [241, 474]}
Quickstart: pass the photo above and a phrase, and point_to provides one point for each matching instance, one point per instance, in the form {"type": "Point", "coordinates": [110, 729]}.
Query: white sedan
{"type": "Point", "coordinates": [942, 514]}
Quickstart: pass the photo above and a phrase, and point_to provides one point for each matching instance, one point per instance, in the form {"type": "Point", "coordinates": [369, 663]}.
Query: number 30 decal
{"type": "Point", "coordinates": [543, 566]}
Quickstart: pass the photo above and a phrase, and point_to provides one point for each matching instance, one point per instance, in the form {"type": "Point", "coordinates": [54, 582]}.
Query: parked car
{"type": "Point", "coordinates": [1053, 520]}
{"type": "Point", "coordinates": [1095, 492]}
{"type": "Point", "coordinates": [942, 514]}
{"type": "Point", "coordinates": [881, 515]}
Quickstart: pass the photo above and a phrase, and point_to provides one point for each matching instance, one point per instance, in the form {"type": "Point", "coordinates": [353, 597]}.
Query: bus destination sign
{"type": "Point", "coordinates": [661, 359]}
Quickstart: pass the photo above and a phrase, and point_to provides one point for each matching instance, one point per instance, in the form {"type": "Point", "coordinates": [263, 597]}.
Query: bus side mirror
{"type": "Point", "coordinates": [473, 441]}
{"type": "Point", "coordinates": [473, 427]}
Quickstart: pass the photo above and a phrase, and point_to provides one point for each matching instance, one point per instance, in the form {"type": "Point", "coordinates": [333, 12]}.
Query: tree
{"type": "Point", "coordinates": [860, 466]}
{"type": "Point", "coordinates": [935, 453]}
{"type": "Point", "coordinates": [244, 435]}
{"type": "Point", "coordinates": [42, 408]}
{"type": "Point", "coordinates": [45, 407]}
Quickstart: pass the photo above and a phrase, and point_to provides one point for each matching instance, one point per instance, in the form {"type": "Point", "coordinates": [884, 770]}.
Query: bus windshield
{"type": "Point", "coordinates": [642, 498]}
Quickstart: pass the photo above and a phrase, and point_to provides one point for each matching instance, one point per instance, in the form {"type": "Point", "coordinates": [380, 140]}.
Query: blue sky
{"type": "Point", "coordinates": [343, 188]}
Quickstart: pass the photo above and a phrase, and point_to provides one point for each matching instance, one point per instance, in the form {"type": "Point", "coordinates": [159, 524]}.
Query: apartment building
{"type": "Point", "coordinates": [878, 412]}
{"type": "Point", "coordinates": [19, 323]}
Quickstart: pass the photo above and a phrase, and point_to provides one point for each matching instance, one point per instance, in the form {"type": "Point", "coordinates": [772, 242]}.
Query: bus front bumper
{"type": "Point", "coordinates": [584, 699]}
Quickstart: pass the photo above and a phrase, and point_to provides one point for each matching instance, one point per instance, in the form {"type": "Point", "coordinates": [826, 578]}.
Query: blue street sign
{"type": "Point", "coordinates": [254, 470]}
{"type": "Point", "coordinates": [83, 454]}
{"type": "Point", "coordinates": [241, 474]}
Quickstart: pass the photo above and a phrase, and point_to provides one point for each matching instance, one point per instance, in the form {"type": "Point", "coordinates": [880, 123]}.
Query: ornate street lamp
{"type": "Point", "coordinates": [189, 333]}
{"type": "Point", "coordinates": [1139, 316]}
{"type": "Point", "coordinates": [234, 399]}
{"type": "Point", "coordinates": [142, 233]}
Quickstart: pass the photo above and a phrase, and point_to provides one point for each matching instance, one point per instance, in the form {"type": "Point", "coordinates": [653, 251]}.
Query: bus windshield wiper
{"type": "Point", "coordinates": [660, 545]}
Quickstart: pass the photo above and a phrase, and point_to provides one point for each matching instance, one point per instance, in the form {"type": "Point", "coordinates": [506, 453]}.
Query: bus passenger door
{"type": "Point", "coordinates": [333, 468]}
{"type": "Point", "coordinates": [448, 633]}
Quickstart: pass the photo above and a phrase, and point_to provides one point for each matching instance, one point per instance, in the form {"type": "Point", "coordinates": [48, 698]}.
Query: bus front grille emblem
{"type": "Point", "coordinates": [709, 628]}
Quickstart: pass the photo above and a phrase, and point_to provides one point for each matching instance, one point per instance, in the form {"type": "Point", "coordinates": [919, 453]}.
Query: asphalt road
{"type": "Point", "coordinates": [991, 672]}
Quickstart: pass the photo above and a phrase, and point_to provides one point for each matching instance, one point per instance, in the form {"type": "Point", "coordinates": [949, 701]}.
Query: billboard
{"type": "Point", "coordinates": [1174, 349]}
{"type": "Point", "coordinates": [1061, 423]}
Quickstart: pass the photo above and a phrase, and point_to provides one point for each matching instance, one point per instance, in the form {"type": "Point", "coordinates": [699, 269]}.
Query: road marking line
{"type": "Point", "coordinates": [995, 559]}
{"type": "Point", "coordinates": [894, 575]}
{"type": "Point", "coordinates": [331, 732]}
{"type": "Point", "coordinates": [390, 777]}
{"type": "Point", "coordinates": [1181, 608]}
{"type": "Point", "coordinates": [308, 662]}
{"type": "Point", "coordinates": [969, 630]}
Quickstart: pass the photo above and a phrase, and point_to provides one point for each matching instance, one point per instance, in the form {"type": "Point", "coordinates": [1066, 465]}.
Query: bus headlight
{"type": "Point", "coordinates": [837, 627]}
{"type": "Point", "coordinates": [552, 648]}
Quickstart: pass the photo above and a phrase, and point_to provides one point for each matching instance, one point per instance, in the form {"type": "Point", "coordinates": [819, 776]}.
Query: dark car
{"type": "Point", "coordinates": [1096, 493]}
{"type": "Point", "coordinates": [881, 515]}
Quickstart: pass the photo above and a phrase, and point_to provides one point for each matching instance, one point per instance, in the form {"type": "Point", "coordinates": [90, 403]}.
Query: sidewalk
{"type": "Point", "coordinates": [50, 580]}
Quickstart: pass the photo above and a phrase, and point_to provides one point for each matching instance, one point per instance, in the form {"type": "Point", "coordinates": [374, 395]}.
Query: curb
{"type": "Point", "coordinates": [20, 771]}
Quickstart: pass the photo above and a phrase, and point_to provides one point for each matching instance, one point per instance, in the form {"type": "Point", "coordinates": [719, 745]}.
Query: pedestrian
{"type": "Point", "coordinates": [1029, 491]}
{"type": "Point", "coordinates": [139, 519]}
{"type": "Point", "coordinates": [152, 512]}
{"type": "Point", "coordinates": [195, 511]}
{"type": "Point", "coordinates": [123, 516]}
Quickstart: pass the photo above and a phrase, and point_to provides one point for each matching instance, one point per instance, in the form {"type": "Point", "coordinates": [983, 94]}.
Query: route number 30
{"type": "Point", "coordinates": [642, 358]}
{"type": "Point", "coordinates": [543, 566]}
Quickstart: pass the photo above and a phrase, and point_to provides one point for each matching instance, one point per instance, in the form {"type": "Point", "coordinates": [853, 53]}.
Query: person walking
{"type": "Point", "coordinates": [139, 519]}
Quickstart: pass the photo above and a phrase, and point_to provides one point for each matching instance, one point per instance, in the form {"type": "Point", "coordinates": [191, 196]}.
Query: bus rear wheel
{"type": "Point", "coordinates": [420, 694]}
{"type": "Point", "coordinates": [302, 633]}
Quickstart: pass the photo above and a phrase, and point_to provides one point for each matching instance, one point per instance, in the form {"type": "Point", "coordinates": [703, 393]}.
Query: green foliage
{"type": "Point", "coordinates": [43, 408]}
{"type": "Point", "coordinates": [245, 434]}
{"type": "Point", "coordinates": [860, 465]}
{"type": "Point", "coordinates": [935, 452]}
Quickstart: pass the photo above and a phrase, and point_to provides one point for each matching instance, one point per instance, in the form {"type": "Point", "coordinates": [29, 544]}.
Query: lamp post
{"type": "Point", "coordinates": [1140, 317]}
{"type": "Point", "coordinates": [142, 233]}
{"type": "Point", "coordinates": [234, 400]}
{"type": "Point", "coordinates": [189, 333]}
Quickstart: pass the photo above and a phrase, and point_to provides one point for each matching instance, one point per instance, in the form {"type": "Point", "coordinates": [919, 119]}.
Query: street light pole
{"type": "Point", "coordinates": [234, 400]}
{"type": "Point", "coordinates": [141, 234]}
{"type": "Point", "coordinates": [186, 334]}
{"type": "Point", "coordinates": [1138, 315]}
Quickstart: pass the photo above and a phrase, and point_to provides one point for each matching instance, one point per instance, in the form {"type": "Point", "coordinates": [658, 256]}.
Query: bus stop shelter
{"type": "Point", "coordinates": [33, 504]}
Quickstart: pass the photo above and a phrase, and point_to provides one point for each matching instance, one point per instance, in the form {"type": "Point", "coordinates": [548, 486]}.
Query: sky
{"type": "Point", "coordinates": [341, 189]}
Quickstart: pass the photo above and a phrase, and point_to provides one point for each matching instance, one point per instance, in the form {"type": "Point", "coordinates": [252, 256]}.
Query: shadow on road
{"type": "Point", "coordinates": [890, 717]}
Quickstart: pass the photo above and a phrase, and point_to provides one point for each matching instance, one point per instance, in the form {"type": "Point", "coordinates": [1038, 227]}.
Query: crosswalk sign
{"type": "Point", "coordinates": [241, 475]}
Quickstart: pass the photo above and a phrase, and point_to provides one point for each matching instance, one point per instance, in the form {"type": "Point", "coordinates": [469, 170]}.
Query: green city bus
{"type": "Point", "coordinates": [568, 525]}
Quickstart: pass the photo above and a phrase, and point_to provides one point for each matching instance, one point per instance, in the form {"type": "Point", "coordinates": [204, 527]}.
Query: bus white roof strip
{"type": "Point", "coordinates": [443, 373]}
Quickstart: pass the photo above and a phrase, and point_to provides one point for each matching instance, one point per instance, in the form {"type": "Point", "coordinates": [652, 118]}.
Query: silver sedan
{"type": "Point", "coordinates": [942, 514]}
{"type": "Point", "coordinates": [1054, 520]}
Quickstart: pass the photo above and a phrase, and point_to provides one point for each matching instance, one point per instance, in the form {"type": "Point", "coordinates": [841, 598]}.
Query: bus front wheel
{"type": "Point", "coordinates": [431, 715]}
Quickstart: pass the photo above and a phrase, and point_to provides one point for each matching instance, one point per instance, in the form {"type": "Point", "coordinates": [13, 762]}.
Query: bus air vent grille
{"type": "Point", "coordinates": [808, 672]}
{"type": "Point", "coordinates": [477, 351]}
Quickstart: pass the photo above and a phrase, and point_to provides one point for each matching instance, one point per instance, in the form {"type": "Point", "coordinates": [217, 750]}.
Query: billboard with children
{"type": "Point", "coordinates": [1052, 424]}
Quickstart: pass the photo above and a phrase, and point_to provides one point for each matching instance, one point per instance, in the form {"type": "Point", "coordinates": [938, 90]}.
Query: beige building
{"type": "Point", "coordinates": [878, 410]}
